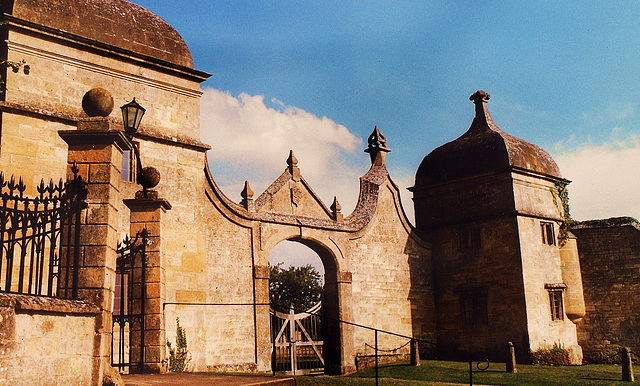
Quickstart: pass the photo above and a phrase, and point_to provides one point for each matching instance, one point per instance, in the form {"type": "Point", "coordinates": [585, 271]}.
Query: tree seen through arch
{"type": "Point", "coordinates": [296, 277]}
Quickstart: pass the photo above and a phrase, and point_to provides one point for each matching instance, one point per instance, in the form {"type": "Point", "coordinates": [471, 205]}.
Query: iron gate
{"type": "Point", "coordinates": [39, 236]}
{"type": "Point", "coordinates": [127, 339]}
{"type": "Point", "coordinates": [297, 341]}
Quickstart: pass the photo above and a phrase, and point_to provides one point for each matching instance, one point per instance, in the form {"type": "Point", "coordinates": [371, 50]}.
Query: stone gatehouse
{"type": "Point", "coordinates": [482, 266]}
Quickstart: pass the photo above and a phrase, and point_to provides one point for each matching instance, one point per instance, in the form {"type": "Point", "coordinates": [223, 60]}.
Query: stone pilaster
{"type": "Point", "coordinates": [264, 346]}
{"type": "Point", "coordinates": [147, 212]}
{"type": "Point", "coordinates": [347, 348]}
{"type": "Point", "coordinates": [96, 147]}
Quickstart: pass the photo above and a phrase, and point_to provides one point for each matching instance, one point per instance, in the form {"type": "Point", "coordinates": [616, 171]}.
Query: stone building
{"type": "Point", "coordinates": [208, 257]}
{"type": "Point", "coordinates": [487, 203]}
{"type": "Point", "coordinates": [483, 266]}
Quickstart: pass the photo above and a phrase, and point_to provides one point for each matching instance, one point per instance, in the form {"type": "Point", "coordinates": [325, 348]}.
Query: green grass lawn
{"type": "Point", "coordinates": [443, 372]}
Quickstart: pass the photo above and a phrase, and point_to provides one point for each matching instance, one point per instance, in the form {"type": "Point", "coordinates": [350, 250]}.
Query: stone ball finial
{"type": "Point", "coordinates": [149, 177]}
{"type": "Point", "coordinates": [97, 102]}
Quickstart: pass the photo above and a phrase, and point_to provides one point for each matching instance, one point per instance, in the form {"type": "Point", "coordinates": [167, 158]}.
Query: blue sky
{"type": "Point", "coordinates": [317, 77]}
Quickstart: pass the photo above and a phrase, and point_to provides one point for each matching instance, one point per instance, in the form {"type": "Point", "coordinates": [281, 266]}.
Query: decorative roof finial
{"type": "Point", "coordinates": [335, 210]}
{"type": "Point", "coordinates": [247, 197]}
{"type": "Point", "coordinates": [246, 193]}
{"type": "Point", "coordinates": [292, 160]}
{"type": "Point", "coordinates": [292, 163]}
{"type": "Point", "coordinates": [377, 148]}
{"type": "Point", "coordinates": [480, 98]}
{"type": "Point", "coordinates": [377, 141]}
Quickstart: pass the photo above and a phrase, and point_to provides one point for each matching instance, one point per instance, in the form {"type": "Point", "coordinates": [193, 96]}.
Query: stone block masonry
{"type": "Point", "coordinates": [36, 347]}
{"type": "Point", "coordinates": [610, 261]}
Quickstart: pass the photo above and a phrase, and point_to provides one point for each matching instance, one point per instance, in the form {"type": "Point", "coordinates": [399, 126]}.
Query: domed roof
{"type": "Point", "coordinates": [117, 23]}
{"type": "Point", "coordinates": [483, 148]}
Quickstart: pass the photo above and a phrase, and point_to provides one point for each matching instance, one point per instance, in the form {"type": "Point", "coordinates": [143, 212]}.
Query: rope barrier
{"type": "Point", "coordinates": [388, 350]}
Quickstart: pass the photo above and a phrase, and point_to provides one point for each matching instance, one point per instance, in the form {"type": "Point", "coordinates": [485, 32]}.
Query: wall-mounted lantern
{"type": "Point", "coordinates": [132, 114]}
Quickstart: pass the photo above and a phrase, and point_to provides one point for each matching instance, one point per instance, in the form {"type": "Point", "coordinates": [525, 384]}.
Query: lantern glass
{"type": "Point", "coordinates": [132, 114]}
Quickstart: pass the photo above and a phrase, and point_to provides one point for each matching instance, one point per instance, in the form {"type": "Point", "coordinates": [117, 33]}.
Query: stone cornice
{"type": "Point", "coordinates": [106, 49]}
{"type": "Point", "coordinates": [100, 69]}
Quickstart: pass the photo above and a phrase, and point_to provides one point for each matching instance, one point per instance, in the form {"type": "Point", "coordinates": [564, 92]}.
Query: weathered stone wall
{"type": "Point", "coordinates": [536, 200]}
{"type": "Point", "coordinates": [171, 100]}
{"type": "Point", "coordinates": [32, 149]}
{"type": "Point", "coordinates": [610, 260]}
{"type": "Point", "coordinates": [36, 106]}
{"type": "Point", "coordinates": [485, 205]}
{"type": "Point", "coordinates": [464, 200]}
{"type": "Point", "coordinates": [510, 263]}
{"type": "Point", "coordinates": [46, 341]}
{"type": "Point", "coordinates": [379, 276]}
{"type": "Point", "coordinates": [457, 271]}
{"type": "Point", "coordinates": [392, 287]}
{"type": "Point", "coordinates": [541, 265]}
{"type": "Point", "coordinates": [214, 291]}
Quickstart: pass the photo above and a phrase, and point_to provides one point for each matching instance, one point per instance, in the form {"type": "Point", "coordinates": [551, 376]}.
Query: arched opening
{"type": "Point", "coordinates": [299, 252]}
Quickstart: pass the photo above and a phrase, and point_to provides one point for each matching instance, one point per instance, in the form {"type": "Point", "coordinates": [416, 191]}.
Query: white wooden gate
{"type": "Point", "coordinates": [297, 341]}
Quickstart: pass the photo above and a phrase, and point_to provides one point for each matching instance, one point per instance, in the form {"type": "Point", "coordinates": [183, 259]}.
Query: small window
{"type": "Point", "coordinates": [470, 238]}
{"type": "Point", "coordinates": [555, 300]}
{"type": "Point", "coordinates": [473, 306]}
{"type": "Point", "coordinates": [548, 233]}
{"type": "Point", "coordinates": [128, 166]}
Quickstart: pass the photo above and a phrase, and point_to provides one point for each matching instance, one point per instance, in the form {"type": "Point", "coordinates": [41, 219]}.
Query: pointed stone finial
{"type": "Point", "coordinates": [335, 210]}
{"type": "Point", "coordinates": [247, 197]}
{"type": "Point", "coordinates": [377, 141]}
{"type": "Point", "coordinates": [377, 148]}
{"type": "Point", "coordinates": [247, 193]}
{"type": "Point", "coordinates": [292, 163]}
{"type": "Point", "coordinates": [292, 160]}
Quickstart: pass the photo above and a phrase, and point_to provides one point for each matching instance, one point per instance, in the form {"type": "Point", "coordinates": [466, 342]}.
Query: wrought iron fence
{"type": "Point", "coordinates": [127, 347]}
{"type": "Point", "coordinates": [40, 236]}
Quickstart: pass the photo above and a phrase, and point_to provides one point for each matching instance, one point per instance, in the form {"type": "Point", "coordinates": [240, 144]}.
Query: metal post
{"type": "Point", "coordinates": [376, 354]}
{"type": "Point", "coordinates": [292, 340]}
{"type": "Point", "coordinates": [470, 372]}
{"type": "Point", "coordinates": [143, 293]}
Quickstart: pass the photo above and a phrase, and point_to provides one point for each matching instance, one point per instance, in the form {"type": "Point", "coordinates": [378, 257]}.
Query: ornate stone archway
{"type": "Point", "coordinates": [370, 256]}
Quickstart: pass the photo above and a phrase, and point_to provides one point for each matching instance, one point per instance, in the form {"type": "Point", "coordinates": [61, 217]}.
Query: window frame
{"type": "Point", "coordinates": [556, 300]}
{"type": "Point", "coordinates": [474, 309]}
{"type": "Point", "coordinates": [470, 238]}
{"type": "Point", "coordinates": [548, 231]}
{"type": "Point", "coordinates": [129, 165]}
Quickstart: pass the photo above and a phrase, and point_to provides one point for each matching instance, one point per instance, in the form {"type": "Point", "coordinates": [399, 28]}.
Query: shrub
{"type": "Point", "coordinates": [179, 357]}
{"type": "Point", "coordinates": [554, 356]}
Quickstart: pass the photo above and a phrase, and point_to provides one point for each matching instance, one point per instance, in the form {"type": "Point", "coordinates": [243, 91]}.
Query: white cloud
{"type": "Point", "coordinates": [251, 141]}
{"type": "Point", "coordinates": [605, 179]}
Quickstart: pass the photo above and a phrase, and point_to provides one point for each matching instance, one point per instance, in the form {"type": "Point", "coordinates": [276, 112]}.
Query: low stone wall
{"type": "Point", "coordinates": [46, 341]}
